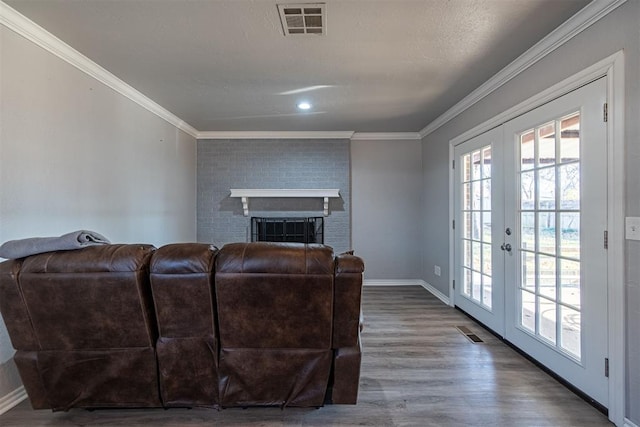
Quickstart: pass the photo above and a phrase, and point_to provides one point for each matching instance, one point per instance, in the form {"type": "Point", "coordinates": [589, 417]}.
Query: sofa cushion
{"type": "Point", "coordinates": [279, 377]}
{"type": "Point", "coordinates": [182, 283]}
{"type": "Point", "coordinates": [93, 298]}
{"type": "Point", "coordinates": [100, 378]}
{"type": "Point", "coordinates": [188, 369]}
{"type": "Point", "coordinates": [187, 347]}
{"type": "Point", "coordinates": [277, 258]}
{"type": "Point", "coordinates": [274, 295]}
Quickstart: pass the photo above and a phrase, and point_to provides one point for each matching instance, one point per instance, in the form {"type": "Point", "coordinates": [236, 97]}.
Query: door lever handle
{"type": "Point", "coordinates": [506, 247]}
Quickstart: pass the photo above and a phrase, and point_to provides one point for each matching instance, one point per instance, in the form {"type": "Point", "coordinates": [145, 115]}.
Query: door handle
{"type": "Point", "coordinates": [506, 247]}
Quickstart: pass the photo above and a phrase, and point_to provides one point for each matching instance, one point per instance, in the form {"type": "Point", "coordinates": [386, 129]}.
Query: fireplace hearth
{"type": "Point", "coordinates": [296, 229]}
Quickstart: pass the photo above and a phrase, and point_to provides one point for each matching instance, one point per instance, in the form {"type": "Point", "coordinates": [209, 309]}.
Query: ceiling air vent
{"type": "Point", "coordinates": [303, 18]}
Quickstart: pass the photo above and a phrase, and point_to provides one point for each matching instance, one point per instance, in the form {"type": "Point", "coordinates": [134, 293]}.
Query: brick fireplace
{"type": "Point", "coordinates": [272, 164]}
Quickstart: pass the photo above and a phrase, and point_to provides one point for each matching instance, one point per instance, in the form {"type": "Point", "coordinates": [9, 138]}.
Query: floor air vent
{"type": "Point", "coordinates": [469, 334]}
{"type": "Point", "coordinates": [303, 18]}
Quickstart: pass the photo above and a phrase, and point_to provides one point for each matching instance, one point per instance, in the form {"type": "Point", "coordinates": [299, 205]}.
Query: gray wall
{"type": "Point", "coordinates": [226, 164]}
{"type": "Point", "coordinates": [75, 154]}
{"type": "Point", "coordinates": [618, 30]}
{"type": "Point", "coordinates": [387, 207]}
{"type": "Point", "coordinates": [435, 164]}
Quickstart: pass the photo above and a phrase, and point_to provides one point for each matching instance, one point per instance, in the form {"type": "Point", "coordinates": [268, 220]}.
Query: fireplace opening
{"type": "Point", "coordinates": [300, 230]}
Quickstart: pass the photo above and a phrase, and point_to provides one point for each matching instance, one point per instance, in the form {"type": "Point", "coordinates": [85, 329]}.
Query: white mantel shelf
{"type": "Point", "coordinates": [246, 193]}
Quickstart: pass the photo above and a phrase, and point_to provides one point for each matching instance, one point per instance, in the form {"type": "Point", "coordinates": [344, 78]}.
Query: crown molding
{"type": "Point", "coordinates": [590, 14]}
{"type": "Point", "coordinates": [361, 136]}
{"type": "Point", "coordinates": [587, 16]}
{"type": "Point", "coordinates": [274, 135]}
{"type": "Point", "coordinates": [28, 29]}
{"type": "Point", "coordinates": [386, 136]}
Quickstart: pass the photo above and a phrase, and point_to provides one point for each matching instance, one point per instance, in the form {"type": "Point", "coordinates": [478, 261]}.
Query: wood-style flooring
{"type": "Point", "coordinates": [417, 370]}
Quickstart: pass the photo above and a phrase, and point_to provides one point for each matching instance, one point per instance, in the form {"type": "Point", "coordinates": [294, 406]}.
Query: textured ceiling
{"type": "Point", "coordinates": [225, 65]}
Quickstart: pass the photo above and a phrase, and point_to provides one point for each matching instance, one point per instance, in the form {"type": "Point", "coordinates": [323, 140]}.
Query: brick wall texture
{"type": "Point", "coordinates": [226, 164]}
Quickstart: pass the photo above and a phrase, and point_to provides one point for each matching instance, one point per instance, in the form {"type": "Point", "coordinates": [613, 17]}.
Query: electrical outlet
{"type": "Point", "coordinates": [436, 270]}
{"type": "Point", "coordinates": [632, 228]}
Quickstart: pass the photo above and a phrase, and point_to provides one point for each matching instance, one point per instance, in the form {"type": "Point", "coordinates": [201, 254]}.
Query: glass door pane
{"type": "Point", "coordinates": [476, 237]}
{"type": "Point", "coordinates": [549, 216]}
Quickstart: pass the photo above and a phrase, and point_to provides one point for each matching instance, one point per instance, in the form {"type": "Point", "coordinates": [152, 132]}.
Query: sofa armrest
{"type": "Point", "coordinates": [347, 300]}
{"type": "Point", "coordinates": [345, 379]}
{"type": "Point", "coordinates": [13, 308]}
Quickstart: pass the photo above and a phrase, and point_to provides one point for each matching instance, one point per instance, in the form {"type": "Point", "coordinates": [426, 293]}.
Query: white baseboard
{"type": "Point", "coordinates": [629, 423]}
{"type": "Point", "coordinates": [436, 293]}
{"type": "Point", "coordinates": [409, 282]}
{"type": "Point", "coordinates": [392, 282]}
{"type": "Point", "coordinates": [12, 399]}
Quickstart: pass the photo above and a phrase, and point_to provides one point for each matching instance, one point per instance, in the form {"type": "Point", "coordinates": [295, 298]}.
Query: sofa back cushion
{"type": "Point", "coordinates": [94, 298]}
{"type": "Point", "coordinates": [187, 348]}
{"type": "Point", "coordinates": [275, 295]}
{"type": "Point", "coordinates": [182, 283]}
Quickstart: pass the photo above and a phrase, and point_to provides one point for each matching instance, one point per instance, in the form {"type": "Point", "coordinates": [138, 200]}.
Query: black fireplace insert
{"type": "Point", "coordinates": [301, 230]}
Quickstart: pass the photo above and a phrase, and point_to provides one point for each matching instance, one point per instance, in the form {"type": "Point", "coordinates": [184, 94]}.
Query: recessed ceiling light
{"type": "Point", "coordinates": [304, 106]}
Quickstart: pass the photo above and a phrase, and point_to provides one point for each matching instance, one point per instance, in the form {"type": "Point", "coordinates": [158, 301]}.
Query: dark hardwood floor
{"type": "Point", "coordinates": [417, 370]}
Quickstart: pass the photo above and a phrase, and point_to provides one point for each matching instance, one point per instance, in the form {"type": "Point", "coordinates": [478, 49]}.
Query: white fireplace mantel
{"type": "Point", "coordinates": [246, 193]}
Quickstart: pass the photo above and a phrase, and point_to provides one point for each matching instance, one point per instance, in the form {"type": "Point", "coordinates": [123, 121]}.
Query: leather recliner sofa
{"type": "Point", "coordinates": [185, 325]}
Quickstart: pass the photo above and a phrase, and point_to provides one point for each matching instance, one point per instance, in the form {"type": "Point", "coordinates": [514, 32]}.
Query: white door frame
{"type": "Point", "coordinates": [613, 68]}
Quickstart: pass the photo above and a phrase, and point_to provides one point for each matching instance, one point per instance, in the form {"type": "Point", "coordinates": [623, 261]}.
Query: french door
{"type": "Point", "coordinates": [478, 224]}
{"type": "Point", "coordinates": [547, 246]}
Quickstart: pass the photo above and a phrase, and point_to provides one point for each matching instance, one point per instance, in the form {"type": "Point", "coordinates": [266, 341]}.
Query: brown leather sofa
{"type": "Point", "coordinates": [185, 325]}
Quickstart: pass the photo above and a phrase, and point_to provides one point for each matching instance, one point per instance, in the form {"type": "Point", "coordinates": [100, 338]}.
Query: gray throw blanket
{"type": "Point", "coordinates": [36, 245]}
